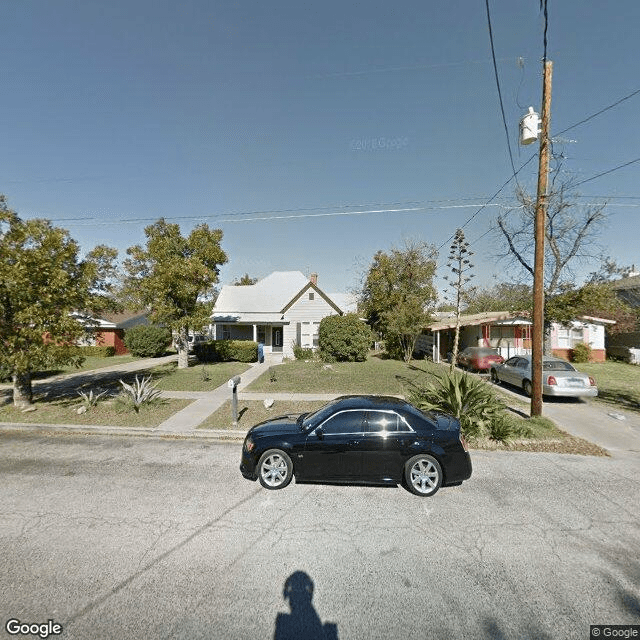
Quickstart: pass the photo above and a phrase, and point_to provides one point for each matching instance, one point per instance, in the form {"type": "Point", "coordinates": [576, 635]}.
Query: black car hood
{"type": "Point", "coordinates": [281, 424]}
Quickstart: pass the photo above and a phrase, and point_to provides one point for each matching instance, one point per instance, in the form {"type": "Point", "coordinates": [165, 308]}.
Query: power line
{"type": "Point", "coordinates": [491, 198]}
{"type": "Point", "coordinates": [495, 70]}
{"type": "Point", "coordinates": [285, 216]}
{"type": "Point", "coordinates": [604, 173]}
{"type": "Point", "coordinates": [597, 113]}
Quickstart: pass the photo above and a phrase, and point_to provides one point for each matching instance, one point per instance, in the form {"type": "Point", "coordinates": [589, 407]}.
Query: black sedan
{"type": "Point", "coordinates": [359, 439]}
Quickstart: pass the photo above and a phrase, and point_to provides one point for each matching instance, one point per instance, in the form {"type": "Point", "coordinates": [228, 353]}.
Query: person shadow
{"type": "Point", "coordinates": [303, 623]}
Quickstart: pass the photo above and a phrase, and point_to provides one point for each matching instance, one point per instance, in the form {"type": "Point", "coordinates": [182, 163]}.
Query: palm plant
{"type": "Point", "coordinates": [470, 400]}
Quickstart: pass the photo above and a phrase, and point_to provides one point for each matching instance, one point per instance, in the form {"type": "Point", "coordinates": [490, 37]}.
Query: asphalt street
{"type": "Point", "coordinates": [115, 537]}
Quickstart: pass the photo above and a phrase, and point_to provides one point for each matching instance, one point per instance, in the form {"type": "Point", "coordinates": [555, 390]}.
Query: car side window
{"type": "Point", "coordinates": [344, 422]}
{"type": "Point", "coordinates": [378, 421]}
{"type": "Point", "coordinates": [512, 361]}
{"type": "Point", "coordinates": [522, 364]}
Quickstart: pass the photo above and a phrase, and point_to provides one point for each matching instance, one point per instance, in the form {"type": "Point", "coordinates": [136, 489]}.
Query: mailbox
{"type": "Point", "coordinates": [234, 382]}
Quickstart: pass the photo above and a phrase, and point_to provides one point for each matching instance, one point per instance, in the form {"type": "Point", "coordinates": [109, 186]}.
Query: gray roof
{"type": "Point", "coordinates": [265, 300]}
{"type": "Point", "coordinates": [269, 295]}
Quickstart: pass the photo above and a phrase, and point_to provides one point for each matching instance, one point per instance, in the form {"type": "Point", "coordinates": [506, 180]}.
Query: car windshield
{"type": "Point", "coordinates": [310, 420]}
{"type": "Point", "coordinates": [556, 365]}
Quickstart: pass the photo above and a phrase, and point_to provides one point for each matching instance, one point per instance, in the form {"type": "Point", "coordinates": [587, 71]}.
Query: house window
{"type": "Point", "coordinates": [262, 334]}
{"type": "Point", "coordinates": [226, 333]}
{"type": "Point", "coordinates": [569, 337]}
{"type": "Point", "coordinates": [312, 295]}
{"type": "Point", "coordinates": [306, 340]}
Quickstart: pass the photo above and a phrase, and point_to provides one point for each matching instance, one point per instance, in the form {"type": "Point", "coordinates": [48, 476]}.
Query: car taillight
{"type": "Point", "coordinates": [463, 442]}
{"type": "Point", "coordinates": [592, 382]}
{"type": "Point", "coordinates": [551, 380]}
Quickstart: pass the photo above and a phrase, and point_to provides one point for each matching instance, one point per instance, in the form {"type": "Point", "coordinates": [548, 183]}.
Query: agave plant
{"type": "Point", "coordinates": [140, 392]}
{"type": "Point", "coordinates": [90, 399]}
{"type": "Point", "coordinates": [463, 396]}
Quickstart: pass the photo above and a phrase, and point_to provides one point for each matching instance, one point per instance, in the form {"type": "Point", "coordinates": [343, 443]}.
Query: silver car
{"type": "Point", "coordinates": [559, 378]}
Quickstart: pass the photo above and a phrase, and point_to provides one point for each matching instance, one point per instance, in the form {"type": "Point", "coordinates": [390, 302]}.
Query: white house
{"type": "Point", "coordinates": [280, 311]}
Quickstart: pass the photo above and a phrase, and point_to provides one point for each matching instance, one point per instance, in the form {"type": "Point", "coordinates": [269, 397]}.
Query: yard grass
{"type": "Point", "coordinates": [375, 375]}
{"type": "Point", "coordinates": [618, 383]}
{"type": "Point", "coordinates": [63, 410]}
{"type": "Point", "coordinates": [199, 377]}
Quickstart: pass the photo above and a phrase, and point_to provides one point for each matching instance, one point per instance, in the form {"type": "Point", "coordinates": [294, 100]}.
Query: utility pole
{"type": "Point", "coordinates": [537, 337]}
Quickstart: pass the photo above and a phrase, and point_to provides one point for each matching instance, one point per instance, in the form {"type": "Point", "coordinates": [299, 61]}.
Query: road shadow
{"type": "Point", "coordinates": [303, 621]}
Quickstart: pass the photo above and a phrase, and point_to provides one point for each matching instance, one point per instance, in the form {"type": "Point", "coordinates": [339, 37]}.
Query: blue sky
{"type": "Point", "coordinates": [313, 134]}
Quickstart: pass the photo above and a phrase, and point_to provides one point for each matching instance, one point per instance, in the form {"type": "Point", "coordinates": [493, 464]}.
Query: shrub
{"type": "Point", "coordinates": [467, 398]}
{"type": "Point", "coordinates": [581, 353]}
{"type": "Point", "coordinates": [344, 338]}
{"type": "Point", "coordinates": [102, 351]}
{"type": "Point", "coordinates": [227, 351]}
{"type": "Point", "coordinates": [300, 353]}
{"type": "Point", "coordinates": [146, 341]}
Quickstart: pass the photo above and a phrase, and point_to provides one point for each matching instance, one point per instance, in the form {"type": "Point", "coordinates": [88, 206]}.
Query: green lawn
{"type": "Point", "coordinates": [63, 410]}
{"type": "Point", "coordinates": [375, 375]}
{"type": "Point", "coordinates": [618, 382]}
{"type": "Point", "coordinates": [205, 377]}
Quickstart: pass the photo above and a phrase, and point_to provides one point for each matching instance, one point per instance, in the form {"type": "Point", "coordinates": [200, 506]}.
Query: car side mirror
{"type": "Point", "coordinates": [320, 433]}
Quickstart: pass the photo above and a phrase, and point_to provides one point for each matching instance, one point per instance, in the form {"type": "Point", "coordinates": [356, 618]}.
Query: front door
{"type": "Point", "coordinates": [276, 339]}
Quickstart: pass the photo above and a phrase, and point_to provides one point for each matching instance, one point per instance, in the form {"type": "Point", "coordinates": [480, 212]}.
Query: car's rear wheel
{"type": "Point", "coordinates": [528, 389]}
{"type": "Point", "coordinates": [423, 474]}
{"type": "Point", "coordinates": [494, 377]}
{"type": "Point", "coordinates": [275, 469]}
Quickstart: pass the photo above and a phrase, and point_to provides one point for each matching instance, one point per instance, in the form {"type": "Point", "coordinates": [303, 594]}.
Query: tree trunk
{"type": "Point", "coordinates": [182, 343]}
{"type": "Point", "coordinates": [22, 390]}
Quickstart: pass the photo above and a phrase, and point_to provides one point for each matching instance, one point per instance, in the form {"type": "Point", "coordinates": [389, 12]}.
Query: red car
{"type": "Point", "coordinates": [479, 358]}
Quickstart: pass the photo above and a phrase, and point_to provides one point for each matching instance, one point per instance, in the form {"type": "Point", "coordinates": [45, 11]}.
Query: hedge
{"type": "Point", "coordinates": [227, 351]}
{"type": "Point", "coordinates": [147, 341]}
{"type": "Point", "coordinates": [103, 351]}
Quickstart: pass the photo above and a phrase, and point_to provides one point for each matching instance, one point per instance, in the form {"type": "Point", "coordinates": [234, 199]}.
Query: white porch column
{"type": "Point", "coordinates": [255, 333]}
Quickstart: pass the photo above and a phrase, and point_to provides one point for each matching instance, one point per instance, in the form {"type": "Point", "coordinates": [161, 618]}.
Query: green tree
{"type": "Point", "coordinates": [45, 288]}
{"type": "Point", "coordinates": [595, 299]}
{"type": "Point", "coordinates": [397, 294]}
{"type": "Point", "coordinates": [503, 296]}
{"type": "Point", "coordinates": [246, 280]}
{"type": "Point", "coordinates": [174, 276]}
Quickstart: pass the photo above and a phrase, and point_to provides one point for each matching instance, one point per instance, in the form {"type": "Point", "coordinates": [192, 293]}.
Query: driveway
{"type": "Point", "coordinates": [613, 428]}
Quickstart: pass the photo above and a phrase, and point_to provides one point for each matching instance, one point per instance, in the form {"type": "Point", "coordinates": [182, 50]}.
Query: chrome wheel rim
{"type": "Point", "coordinates": [424, 476]}
{"type": "Point", "coordinates": [274, 470]}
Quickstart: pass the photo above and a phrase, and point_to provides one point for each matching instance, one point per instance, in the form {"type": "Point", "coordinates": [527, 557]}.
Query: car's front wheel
{"type": "Point", "coordinates": [275, 469]}
{"type": "Point", "coordinates": [423, 474]}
